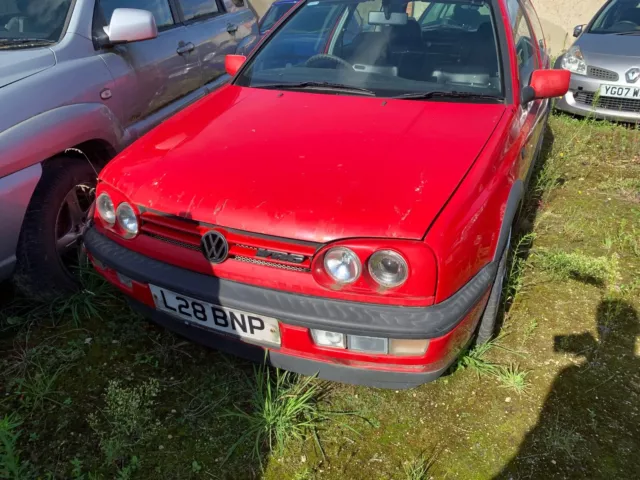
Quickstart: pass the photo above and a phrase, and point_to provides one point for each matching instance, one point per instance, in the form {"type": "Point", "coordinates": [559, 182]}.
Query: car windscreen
{"type": "Point", "coordinates": [386, 47]}
{"type": "Point", "coordinates": [33, 22]}
{"type": "Point", "coordinates": [274, 14]}
{"type": "Point", "coordinates": [618, 17]}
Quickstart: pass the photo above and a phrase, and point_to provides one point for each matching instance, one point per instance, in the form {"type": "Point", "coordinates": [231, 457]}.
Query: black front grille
{"type": "Point", "coordinates": [602, 74]}
{"type": "Point", "coordinates": [610, 103]}
{"type": "Point", "coordinates": [177, 243]}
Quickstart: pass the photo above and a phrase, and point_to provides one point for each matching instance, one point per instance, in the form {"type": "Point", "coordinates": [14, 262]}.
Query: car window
{"type": "Point", "coordinates": [193, 9]}
{"type": "Point", "coordinates": [525, 49]}
{"type": "Point", "coordinates": [43, 20]}
{"type": "Point", "coordinates": [234, 5]}
{"type": "Point", "coordinates": [619, 16]}
{"type": "Point", "coordinates": [274, 14]}
{"type": "Point", "coordinates": [345, 42]}
{"type": "Point", "coordinates": [535, 23]}
{"type": "Point", "coordinates": [160, 9]}
{"type": "Point", "coordinates": [464, 16]}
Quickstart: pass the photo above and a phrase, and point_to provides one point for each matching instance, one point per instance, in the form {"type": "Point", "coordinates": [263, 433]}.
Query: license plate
{"type": "Point", "coordinates": [619, 92]}
{"type": "Point", "coordinates": [247, 326]}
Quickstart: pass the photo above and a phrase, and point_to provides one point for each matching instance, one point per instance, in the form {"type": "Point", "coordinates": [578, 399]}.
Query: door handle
{"type": "Point", "coordinates": [185, 48]}
{"type": "Point", "coordinates": [232, 29]}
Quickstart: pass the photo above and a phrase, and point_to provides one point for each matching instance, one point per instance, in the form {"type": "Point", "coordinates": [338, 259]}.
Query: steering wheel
{"type": "Point", "coordinates": [325, 60]}
{"type": "Point", "coordinates": [625, 23]}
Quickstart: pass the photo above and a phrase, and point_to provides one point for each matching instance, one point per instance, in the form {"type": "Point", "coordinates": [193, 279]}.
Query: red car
{"type": "Point", "coordinates": [347, 208]}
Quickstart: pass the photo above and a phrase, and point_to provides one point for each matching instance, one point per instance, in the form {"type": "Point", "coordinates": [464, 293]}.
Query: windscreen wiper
{"type": "Point", "coordinates": [630, 32]}
{"type": "Point", "coordinates": [14, 42]}
{"type": "Point", "coordinates": [439, 94]}
{"type": "Point", "coordinates": [318, 85]}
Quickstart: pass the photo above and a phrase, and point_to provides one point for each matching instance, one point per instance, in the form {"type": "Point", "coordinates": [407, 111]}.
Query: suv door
{"type": "Point", "coordinates": [154, 78]}
{"type": "Point", "coordinates": [215, 27]}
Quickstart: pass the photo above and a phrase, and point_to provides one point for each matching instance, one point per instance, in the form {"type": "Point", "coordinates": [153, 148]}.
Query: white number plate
{"type": "Point", "coordinates": [248, 326]}
{"type": "Point", "coordinates": [619, 92]}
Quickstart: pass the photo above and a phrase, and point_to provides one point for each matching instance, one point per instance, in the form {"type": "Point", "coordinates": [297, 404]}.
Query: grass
{"type": "Point", "coordinates": [89, 390]}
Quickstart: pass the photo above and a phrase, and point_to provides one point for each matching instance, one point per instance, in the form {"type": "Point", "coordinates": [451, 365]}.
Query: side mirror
{"type": "Point", "coordinates": [232, 63]}
{"type": "Point", "coordinates": [131, 25]}
{"type": "Point", "coordinates": [577, 31]}
{"type": "Point", "coordinates": [546, 84]}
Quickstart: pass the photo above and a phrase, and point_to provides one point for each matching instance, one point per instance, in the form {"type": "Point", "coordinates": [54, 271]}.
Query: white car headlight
{"type": "Point", "coordinates": [342, 265]}
{"type": "Point", "coordinates": [574, 61]}
{"type": "Point", "coordinates": [106, 210]}
{"type": "Point", "coordinates": [388, 268]}
{"type": "Point", "coordinates": [127, 219]}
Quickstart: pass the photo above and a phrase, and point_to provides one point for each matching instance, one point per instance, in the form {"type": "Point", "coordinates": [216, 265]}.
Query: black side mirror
{"type": "Point", "coordinates": [577, 31]}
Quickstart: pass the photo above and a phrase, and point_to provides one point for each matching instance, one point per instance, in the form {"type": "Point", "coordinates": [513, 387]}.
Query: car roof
{"type": "Point", "coordinates": [283, 2]}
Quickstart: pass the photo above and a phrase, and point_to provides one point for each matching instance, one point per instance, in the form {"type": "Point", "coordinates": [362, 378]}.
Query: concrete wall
{"type": "Point", "coordinates": [558, 18]}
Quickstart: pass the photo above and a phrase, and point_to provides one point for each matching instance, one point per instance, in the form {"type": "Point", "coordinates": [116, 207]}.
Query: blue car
{"type": "Point", "coordinates": [275, 13]}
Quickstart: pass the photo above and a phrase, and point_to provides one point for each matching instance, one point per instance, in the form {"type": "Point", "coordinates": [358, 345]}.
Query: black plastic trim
{"type": "Point", "coordinates": [307, 311]}
{"type": "Point", "coordinates": [513, 205]}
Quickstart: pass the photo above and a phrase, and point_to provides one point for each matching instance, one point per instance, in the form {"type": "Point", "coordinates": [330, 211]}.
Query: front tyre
{"type": "Point", "coordinates": [50, 240]}
{"type": "Point", "coordinates": [487, 327]}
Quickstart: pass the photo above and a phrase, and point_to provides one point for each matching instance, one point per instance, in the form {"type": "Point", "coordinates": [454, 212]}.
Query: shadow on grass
{"type": "Point", "coordinates": [590, 425]}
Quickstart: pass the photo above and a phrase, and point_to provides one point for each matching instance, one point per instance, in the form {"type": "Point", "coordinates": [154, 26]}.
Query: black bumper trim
{"type": "Point", "coordinates": [311, 312]}
{"type": "Point", "coordinates": [303, 366]}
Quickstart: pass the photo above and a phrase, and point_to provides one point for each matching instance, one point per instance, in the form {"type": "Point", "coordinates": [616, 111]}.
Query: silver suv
{"type": "Point", "coordinates": [79, 81]}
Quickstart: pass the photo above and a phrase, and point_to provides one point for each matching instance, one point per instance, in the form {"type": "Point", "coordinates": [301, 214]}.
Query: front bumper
{"type": "Point", "coordinates": [582, 96]}
{"type": "Point", "coordinates": [449, 325]}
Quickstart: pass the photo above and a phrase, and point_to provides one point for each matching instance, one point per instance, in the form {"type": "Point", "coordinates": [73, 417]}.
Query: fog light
{"type": "Point", "coordinates": [124, 280]}
{"type": "Point", "coordinates": [368, 344]}
{"type": "Point", "coordinates": [406, 348]}
{"type": "Point", "coordinates": [328, 339]}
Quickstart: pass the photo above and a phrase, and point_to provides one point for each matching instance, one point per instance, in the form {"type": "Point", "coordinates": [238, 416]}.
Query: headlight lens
{"type": "Point", "coordinates": [127, 219]}
{"type": "Point", "coordinates": [342, 265]}
{"type": "Point", "coordinates": [388, 268]}
{"type": "Point", "coordinates": [574, 61]}
{"type": "Point", "coordinates": [106, 210]}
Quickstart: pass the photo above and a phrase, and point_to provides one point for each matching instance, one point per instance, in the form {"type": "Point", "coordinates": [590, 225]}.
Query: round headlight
{"type": "Point", "coordinates": [342, 265]}
{"type": "Point", "coordinates": [388, 268]}
{"type": "Point", "coordinates": [106, 210]}
{"type": "Point", "coordinates": [127, 219]}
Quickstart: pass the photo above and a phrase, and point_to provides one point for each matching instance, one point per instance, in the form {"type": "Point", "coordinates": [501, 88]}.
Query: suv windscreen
{"type": "Point", "coordinates": [388, 47]}
{"type": "Point", "coordinates": [619, 16]}
{"type": "Point", "coordinates": [33, 22]}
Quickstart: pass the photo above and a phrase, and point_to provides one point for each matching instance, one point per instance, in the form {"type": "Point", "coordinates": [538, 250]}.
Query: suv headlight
{"type": "Point", "coordinates": [574, 61]}
{"type": "Point", "coordinates": [342, 265]}
{"type": "Point", "coordinates": [105, 208]}
{"type": "Point", "coordinates": [388, 268]}
{"type": "Point", "coordinates": [127, 219]}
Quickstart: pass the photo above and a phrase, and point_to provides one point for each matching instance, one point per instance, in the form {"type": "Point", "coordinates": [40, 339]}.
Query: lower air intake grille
{"type": "Point", "coordinates": [610, 103]}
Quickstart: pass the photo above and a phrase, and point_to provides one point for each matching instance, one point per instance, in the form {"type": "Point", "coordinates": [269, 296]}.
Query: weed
{"type": "Point", "coordinates": [531, 327]}
{"type": "Point", "coordinates": [11, 466]}
{"type": "Point", "coordinates": [418, 468]}
{"type": "Point", "coordinates": [127, 417]}
{"type": "Point", "coordinates": [284, 407]}
{"type": "Point", "coordinates": [562, 439]}
{"type": "Point", "coordinates": [35, 390]}
{"type": "Point", "coordinates": [514, 281]}
{"type": "Point", "coordinates": [513, 378]}
{"type": "Point", "coordinates": [95, 296]}
{"type": "Point", "coordinates": [596, 270]}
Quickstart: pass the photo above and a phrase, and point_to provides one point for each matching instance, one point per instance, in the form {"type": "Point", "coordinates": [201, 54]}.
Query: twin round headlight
{"type": "Point", "coordinates": [125, 215]}
{"type": "Point", "coordinates": [388, 268]}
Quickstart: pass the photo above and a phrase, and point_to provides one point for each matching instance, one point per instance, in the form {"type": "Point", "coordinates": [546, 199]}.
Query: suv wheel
{"type": "Point", "coordinates": [50, 241]}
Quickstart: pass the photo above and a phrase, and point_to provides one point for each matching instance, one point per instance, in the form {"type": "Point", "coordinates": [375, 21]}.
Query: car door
{"type": "Point", "coordinates": [154, 78]}
{"type": "Point", "coordinates": [216, 27]}
{"type": "Point", "coordinates": [530, 114]}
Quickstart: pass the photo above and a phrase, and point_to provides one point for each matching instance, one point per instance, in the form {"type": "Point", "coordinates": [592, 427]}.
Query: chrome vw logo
{"type": "Point", "coordinates": [633, 75]}
{"type": "Point", "coordinates": [214, 247]}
